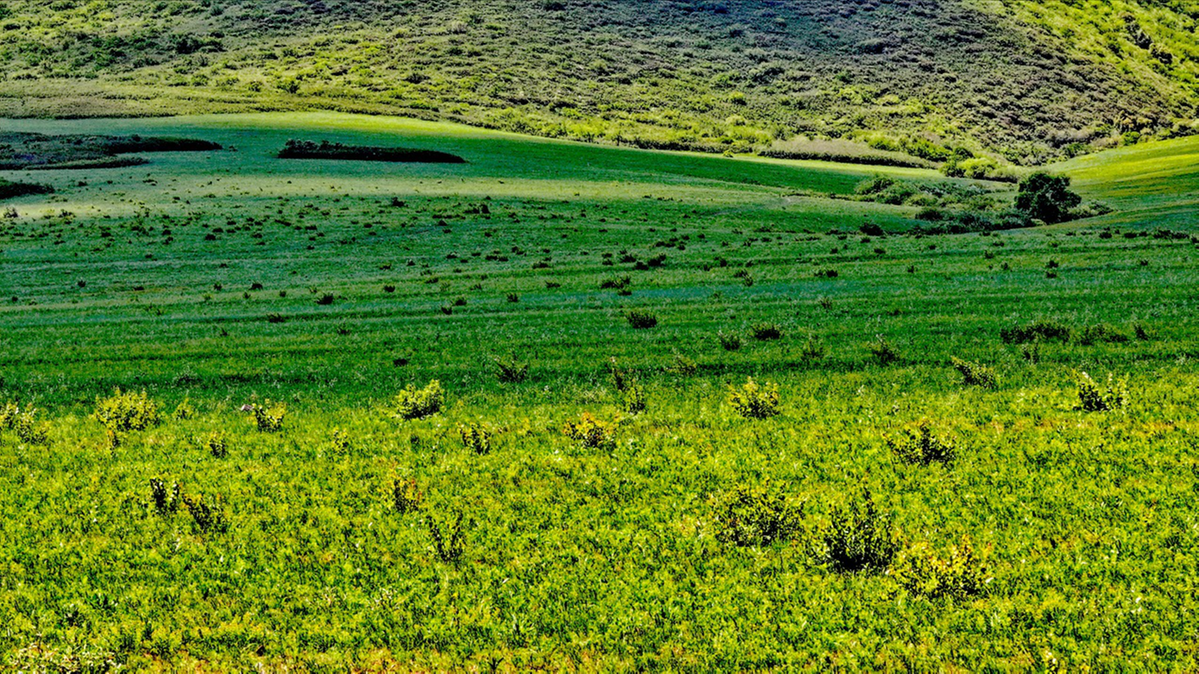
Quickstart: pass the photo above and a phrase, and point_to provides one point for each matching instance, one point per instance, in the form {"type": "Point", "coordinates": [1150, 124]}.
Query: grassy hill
{"type": "Point", "coordinates": [1023, 81]}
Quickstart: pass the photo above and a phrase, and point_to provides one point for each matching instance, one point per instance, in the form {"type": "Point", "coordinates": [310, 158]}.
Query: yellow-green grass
{"type": "Point", "coordinates": [590, 558]}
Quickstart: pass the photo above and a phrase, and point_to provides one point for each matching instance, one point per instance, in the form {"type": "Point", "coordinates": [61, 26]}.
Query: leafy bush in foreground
{"type": "Point", "coordinates": [975, 374]}
{"type": "Point", "coordinates": [756, 516]}
{"type": "Point", "coordinates": [917, 445]}
{"type": "Point", "coordinates": [123, 412]}
{"type": "Point", "coordinates": [960, 574]}
{"type": "Point", "coordinates": [755, 401]}
{"type": "Point", "coordinates": [1095, 398]}
{"type": "Point", "coordinates": [859, 538]}
{"type": "Point", "coordinates": [591, 432]}
{"type": "Point", "coordinates": [418, 403]}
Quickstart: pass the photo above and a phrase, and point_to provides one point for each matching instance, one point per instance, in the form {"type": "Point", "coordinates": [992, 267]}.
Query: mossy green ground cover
{"type": "Point", "coordinates": [376, 276]}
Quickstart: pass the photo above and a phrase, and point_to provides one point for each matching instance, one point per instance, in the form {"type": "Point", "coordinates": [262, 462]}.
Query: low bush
{"type": "Point", "coordinates": [918, 445]}
{"type": "Point", "coordinates": [406, 496]}
{"type": "Point", "coordinates": [812, 350]}
{"type": "Point", "coordinates": [756, 516]}
{"type": "Point", "coordinates": [755, 401]}
{"type": "Point", "coordinates": [124, 412]}
{"type": "Point", "coordinates": [884, 351]}
{"type": "Point", "coordinates": [1100, 333]}
{"type": "Point", "coordinates": [766, 332]}
{"type": "Point", "coordinates": [509, 370]}
{"type": "Point", "coordinates": [418, 403]}
{"type": "Point", "coordinates": [217, 445]}
{"type": "Point", "coordinates": [268, 417]}
{"type": "Point", "coordinates": [476, 438]}
{"type": "Point", "coordinates": [975, 374]}
{"type": "Point", "coordinates": [449, 542]}
{"type": "Point", "coordinates": [206, 517]}
{"type": "Point", "coordinates": [960, 574]}
{"type": "Point", "coordinates": [857, 538]}
{"type": "Point", "coordinates": [1046, 331]}
{"type": "Point", "coordinates": [1092, 397]}
{"type": "Point", "coordinates": [9, 189]}
{"type": "Point", "coordinates": [591, 433]}
{"type": "Point", "coordinates": [164, 500]}
{"type": "Point", "coordinates": [633, 399]}
{"type": "Point", "coordinates": [730, 342]}
{"type": "Point", "coordinates": [302, 149]}
{"type": "Point", "coordinates": [641, 320]}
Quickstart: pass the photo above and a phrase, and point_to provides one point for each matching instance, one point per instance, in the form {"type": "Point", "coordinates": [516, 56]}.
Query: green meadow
{"type": "Point", "coordinates": [690, 412]}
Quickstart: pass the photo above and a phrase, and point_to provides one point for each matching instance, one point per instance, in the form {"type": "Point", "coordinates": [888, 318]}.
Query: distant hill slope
{"type": "Point", "coordinates": [1028, 81]}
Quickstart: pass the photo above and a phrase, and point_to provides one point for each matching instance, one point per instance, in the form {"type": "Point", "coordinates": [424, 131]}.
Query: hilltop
{"type": "Point", "coordinates": [903, 81]}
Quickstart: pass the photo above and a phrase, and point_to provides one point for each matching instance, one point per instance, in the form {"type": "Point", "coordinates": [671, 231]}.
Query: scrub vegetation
{"type": "Point", "coordinates": [573, 407]}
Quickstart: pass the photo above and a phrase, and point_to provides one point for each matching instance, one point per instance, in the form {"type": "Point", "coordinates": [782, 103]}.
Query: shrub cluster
{"type": "Point", "coordinates": [591, 432]}
{"type": "Point", "coordinates": [958, 575]}
{"type": "Point", "coordinates": [418, 403]}
{"type": "Point", "coordinates": [755, 401]}
{"type": "Point", "coordinates": [124, 412]}
{"type": "Point", "coordinates": [859, 538]}
{"type": "Point", "coordinates": [1093, 397]}
{"type": "Point", "coordinates": [756, 517]}
{"type": "Point", "coordinates": [918, 445]}
{"type": "Point", "coordinates": [975, 374]}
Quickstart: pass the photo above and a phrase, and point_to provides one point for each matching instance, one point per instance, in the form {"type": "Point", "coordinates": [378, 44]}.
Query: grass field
{"type": "Point", "coordinates": [546, 521]}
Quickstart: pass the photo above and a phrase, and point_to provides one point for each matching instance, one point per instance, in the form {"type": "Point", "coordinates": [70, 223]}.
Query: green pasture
{"type": "Point", "coordinates": [217, 280]}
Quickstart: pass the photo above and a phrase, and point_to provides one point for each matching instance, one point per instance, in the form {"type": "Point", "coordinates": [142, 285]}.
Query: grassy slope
{"type": "Point", "coordinates": [1149, 184]}
{"type": "Point", "coordinates": [1004, 76]}
{"type": "Point", "coordinates": [575, 557]}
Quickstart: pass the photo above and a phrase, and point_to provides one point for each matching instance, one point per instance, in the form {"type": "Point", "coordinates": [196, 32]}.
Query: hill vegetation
{"type": "Point", "coordinates": [970, 83]}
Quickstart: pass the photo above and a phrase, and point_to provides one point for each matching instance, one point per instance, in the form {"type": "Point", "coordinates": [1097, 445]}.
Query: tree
{"type": "Point", "coordinates": [1046, 197]}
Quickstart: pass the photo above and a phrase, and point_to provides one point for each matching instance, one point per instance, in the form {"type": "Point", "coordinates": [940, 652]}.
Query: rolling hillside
{"type": "Point", "coordinates": [1022, 81]}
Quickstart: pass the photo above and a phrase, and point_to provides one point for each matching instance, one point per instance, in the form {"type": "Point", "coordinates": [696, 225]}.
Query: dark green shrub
{"type": "Point", "coordinates": [975, 374]}
{"type": "Point", "coordinates": [917, 445]}
{"type": "Point", "coordinates": [756, 517]}
{"type": "Point", "coordinates": [1047, 331]}
{"type": "Point", "coordinates": [766, 332]}
{"type": "Point", "coordinates": [641, 320]}
{"type": "Point", "coordinates": [449, 542]}
{"type": "Point", "coordinates": [206, 518]}
{"type": "Point", "coordinates": [730, 342]}
{"type": "Point", "coordinates": [1095, 398]}
{"type": "Point", "coordinates": [884, 351]}
{"type": "Point", "coordinates": [510, 371]}
{"type": "Point", "coordinates": [1046, 197]}
{"type": "Point", "coordinates": [857, 538]}
{"type": "Point", "coordinates": [165, 500]}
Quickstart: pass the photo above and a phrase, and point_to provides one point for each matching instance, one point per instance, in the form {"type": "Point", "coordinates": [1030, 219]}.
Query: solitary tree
{"type": "Point", "coordinates": [1047, 197]}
